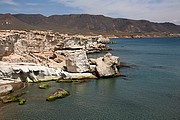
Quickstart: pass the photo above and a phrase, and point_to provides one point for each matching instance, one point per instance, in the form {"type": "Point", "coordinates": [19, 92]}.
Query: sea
{"type": "Point", "coordinates": [150, 90]}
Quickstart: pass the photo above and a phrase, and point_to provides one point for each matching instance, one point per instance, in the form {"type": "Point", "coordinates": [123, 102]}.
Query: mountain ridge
{"type": "Point", "coordinates": [86, 24]}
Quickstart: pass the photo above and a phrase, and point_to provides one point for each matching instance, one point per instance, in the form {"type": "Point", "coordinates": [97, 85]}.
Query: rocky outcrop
{"type": "Point", "coordinates": [35, 56]}
{"type": "Point", "coordinates": [104, 40]}
{"type": "Point", "coordinates": [26, 71]}
{"type": "Point", "coordinates": [91, 44]}
{"type": "Point", "coordinates": [5, 89]}
{"type": "Point", "coordinates": [31, 72]}
{"type": "Point", "coordinates": [106, 66]}
{"type": "Point", "coordinates": [7, 41]}
{"type": "Point", "coordinates": [39, 46]}
{"type": "Point", "coordinates": [75, 60]}
{"type": "Point", "coordinates": [77, 76]}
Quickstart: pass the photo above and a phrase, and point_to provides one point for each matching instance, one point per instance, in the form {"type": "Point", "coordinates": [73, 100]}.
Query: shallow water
{"type": "Point", "coordinates": [151, 91]}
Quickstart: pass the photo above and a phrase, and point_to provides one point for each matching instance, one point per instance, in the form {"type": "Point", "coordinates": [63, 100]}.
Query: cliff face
{"type": "Point", "coordinates": [86, 24]}
{"type": "Point", "coordinates": [34, 55]}
{"type": "Point", "coordinates": [8, 22]}
{"type": "Point", "coordinates": [41, 46]}
{"type": "Point", "coordinates": [7, 41]}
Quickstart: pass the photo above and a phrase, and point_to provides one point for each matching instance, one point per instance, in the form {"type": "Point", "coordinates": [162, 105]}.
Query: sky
{"type": "Point", "coordinates": [152, 10]}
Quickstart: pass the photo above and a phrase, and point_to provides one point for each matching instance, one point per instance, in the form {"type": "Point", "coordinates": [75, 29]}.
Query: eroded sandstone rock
{"type": "Point", "coordinates": [42, 55]}
{"type": "Point", "coordinates": [5, 89]}
{"type": "Point", "coordinates": [7, 41]}
{"type": "Point", "coordinates": [76, 60]}
{"type": "Point", "coordinates": [107, 65]}
{"type": "Point", "coordinates": [39, 46]}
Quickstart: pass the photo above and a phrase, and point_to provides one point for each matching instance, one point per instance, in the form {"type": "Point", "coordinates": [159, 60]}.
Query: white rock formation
{"type": "Point", "coordinates": [36, 55]}
{"type": "Point", "coordinates": [102, 39]}
{"type": "Point", "coordinates": [7, 41]}
{"type": "Point", "coordinates": [26, 71]}
{"type": "Point", "coordinates": [5, 89]}
{"type": "Point", "coordinates": [77, 76]}
{"type": "Point", "coordinates": [107, 65]}
{"type": "Point", "coordinates": [32, 46]}
{"type": "Point", "coordinates": [76, 60]}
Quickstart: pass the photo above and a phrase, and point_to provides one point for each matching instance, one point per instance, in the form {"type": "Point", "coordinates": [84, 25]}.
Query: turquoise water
{"type": "Point", "coordinates": [151, 92]}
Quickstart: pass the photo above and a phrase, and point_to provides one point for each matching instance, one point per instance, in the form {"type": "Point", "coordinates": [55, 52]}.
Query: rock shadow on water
{"type": "Point", "coordinates": [125, 65]}
{"type": "Point", "coordinates": [159, 67]}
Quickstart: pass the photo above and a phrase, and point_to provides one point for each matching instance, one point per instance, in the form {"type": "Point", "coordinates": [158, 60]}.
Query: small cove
{"type": "Point", "coordinates": [152, 91]}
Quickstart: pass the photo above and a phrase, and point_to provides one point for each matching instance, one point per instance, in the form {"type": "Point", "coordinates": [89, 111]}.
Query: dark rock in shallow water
{"type": "Point", "coordinates": [60, 93]}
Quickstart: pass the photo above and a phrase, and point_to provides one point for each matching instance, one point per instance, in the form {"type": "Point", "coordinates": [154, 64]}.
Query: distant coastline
{"type": "Point", "coordinates": [85, 24]}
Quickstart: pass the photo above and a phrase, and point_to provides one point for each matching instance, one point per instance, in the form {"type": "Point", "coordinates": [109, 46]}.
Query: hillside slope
{"type": "Point", "coordinates": [85, 24]}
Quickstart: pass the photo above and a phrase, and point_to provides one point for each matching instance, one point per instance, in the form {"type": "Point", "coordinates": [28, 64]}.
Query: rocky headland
{"type": "Point", "coordinates": [35, 56]}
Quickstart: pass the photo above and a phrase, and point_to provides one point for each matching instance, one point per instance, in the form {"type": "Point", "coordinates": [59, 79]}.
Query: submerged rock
{"type": "Point", "coordinates": [64, 81]}
{"type": "Point", "coordinates": [71, 81]}
{"type": "Point", "coordinates": [22, 101]}
{"type": "Point", "coordinates": [60, 93]}
{"type": "Point", "coordinates": [11, 98]}
{"type": "Point", "coordinates": [49, 79]}
{"type": "Point", "coordinates": [44, 86]}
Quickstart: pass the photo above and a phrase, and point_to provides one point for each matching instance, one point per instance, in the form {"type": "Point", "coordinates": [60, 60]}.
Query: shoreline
{"type": "Point", "coordinates": [17, 87]}
{"type": "Point", "coordinates": [37, 56]}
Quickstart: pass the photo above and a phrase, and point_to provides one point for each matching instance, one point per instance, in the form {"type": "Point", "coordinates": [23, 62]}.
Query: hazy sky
{"type": "Point", "coordinates": [152, 10]}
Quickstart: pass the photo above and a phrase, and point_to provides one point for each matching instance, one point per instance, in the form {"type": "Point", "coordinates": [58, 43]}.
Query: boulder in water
{"type": "Point", "coordinates": [60, 93]}
{"type": "Point", "coordinates": [106, 66]}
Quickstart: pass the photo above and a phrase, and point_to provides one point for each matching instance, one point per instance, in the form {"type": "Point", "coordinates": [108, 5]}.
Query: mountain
{"type": "Point", "coordinates": [31, 19]}
{"type": "Point", "coordinates": [8, 21]}
{"type": "Point", "coordinates": [85, 24]}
